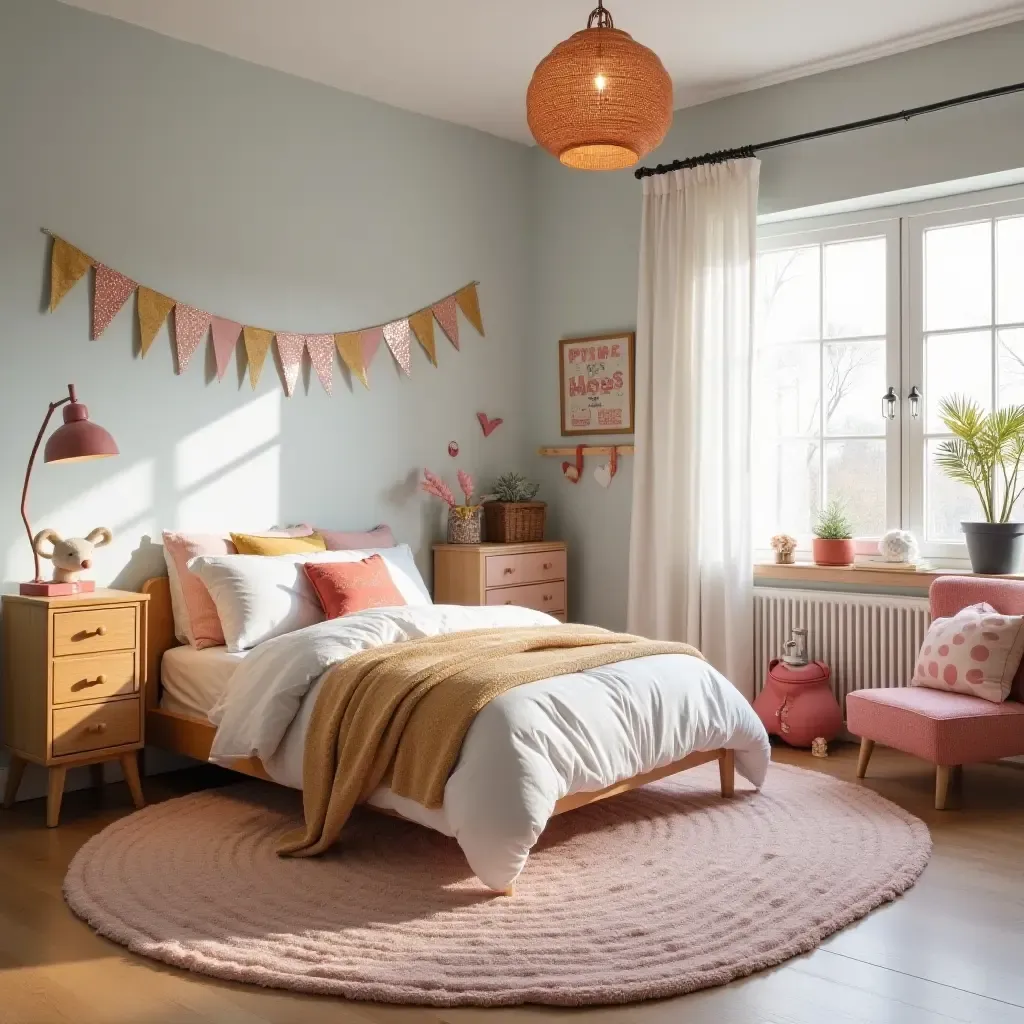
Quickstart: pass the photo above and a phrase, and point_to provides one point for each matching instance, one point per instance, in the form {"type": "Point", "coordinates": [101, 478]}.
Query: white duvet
{"type": "Point", "coordinates": [525, 750]}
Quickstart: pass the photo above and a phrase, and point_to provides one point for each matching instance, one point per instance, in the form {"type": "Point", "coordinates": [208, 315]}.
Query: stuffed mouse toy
{"type": "Point", "coordinates": [71, 556]}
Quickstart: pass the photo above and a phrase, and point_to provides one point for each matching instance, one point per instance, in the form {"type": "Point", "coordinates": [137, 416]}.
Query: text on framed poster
{"type": "Point", "coordinates": [596, 382]}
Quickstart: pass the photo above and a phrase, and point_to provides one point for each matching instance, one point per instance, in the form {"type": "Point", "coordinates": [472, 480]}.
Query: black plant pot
{"type": "Point", "coordinates": [996, 549]}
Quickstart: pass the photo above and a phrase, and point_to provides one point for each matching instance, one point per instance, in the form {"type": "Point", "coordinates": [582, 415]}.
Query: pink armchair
{"type": "Point", "coordinates": [948, 729]}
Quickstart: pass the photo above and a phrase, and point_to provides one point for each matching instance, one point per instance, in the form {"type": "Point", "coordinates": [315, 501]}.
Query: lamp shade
{"type": "Point", "coordinates": [600, 101]}
{"type": "Point", "coordinates": [78, 438]}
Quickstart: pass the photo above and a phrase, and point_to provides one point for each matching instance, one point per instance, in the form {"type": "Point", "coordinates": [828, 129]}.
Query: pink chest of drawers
{"type": "Point", "coordinates": [528, 575]}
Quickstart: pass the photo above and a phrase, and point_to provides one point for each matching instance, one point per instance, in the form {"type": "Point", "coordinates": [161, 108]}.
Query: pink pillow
{"type": "Point", "coordinates": [336, 540]}
{"type": "Point", "coordinates": [190, 600]}
{"type": "Point", "coordinates": [347, 587]}
{"type": "Point", "coordinates": [976, 652]}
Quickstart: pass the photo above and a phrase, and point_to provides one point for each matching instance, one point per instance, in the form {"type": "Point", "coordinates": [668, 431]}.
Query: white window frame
{"type": "Point", "coordinates": [904, 226]}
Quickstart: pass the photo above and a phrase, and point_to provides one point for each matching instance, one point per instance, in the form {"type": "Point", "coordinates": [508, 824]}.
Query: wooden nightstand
{"type": "Point", "coordinates": [528, 575]}
{"type": "Point", "coordinates": [74, 675]}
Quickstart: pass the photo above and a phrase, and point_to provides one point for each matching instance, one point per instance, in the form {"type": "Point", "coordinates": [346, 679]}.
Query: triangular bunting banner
{"type": "Point", "coordinates": [369, 341]}
{"type": "Point", "coordinates": [398, 337]}
{"type": "Point", "coordinates": [190, 327]}
{"type": "Point", "coordinates": [469, 303]}
{"type": "Point", "coordinates": [225, 338]}
{"type": "Point", "coordinates": [446, 314]}
{"type": "Point", "coordinates": [422, 324]}
{"type": "Point", "coordinates": [110, 292]}
{"type": "Point", "coordinates": [289, 348]}
{"type": "Point", "coordinates": [321, 354]}
{"type": "Point", "coordinates": [257, 345]}
{"type": "Point", "coordinates": [153, 310]}
{"type": "Point", "coordinates": [67, 265]}
{"type": "Point", "coordinates": [351, 351]}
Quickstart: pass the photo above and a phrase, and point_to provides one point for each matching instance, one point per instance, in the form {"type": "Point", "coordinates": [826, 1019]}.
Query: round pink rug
{"type": "Point", "coordinates": [654, 893]}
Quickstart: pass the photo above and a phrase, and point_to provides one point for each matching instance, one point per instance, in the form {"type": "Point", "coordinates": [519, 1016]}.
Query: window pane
{"type": "Point", "coordinates": [788, 389]}
{"type": "Point", "coordinates": [956, 364]}
{"type": "Point", "coordinates": [788, 295]}
{"type": "Point", "coordinates": [854, 378]}
{"type": "Point", "coordinates": [786, 489]}
{"type": "Point", "coordinates": [855, 474]}
{"type": "Point", "coordinates": [1010, 270]}
{"type": "Point", "coordinates": [1010, 352]}
{"type": "Point", "coordinates": [855, 288]}
{"type": "Point", "coordinates": [958, 276]}
{"type": "Point", "coordinates": [946, 502]}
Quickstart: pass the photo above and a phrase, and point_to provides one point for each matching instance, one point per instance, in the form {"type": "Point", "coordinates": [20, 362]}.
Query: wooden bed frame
{"type": "Point", "coordinates": [193, 738]}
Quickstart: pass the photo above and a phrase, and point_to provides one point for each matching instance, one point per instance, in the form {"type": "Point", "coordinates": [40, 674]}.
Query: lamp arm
{"type": "Point", "coordinates": [28, 475]}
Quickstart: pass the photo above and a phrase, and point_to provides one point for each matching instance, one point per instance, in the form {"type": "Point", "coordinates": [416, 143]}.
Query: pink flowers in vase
{"type": "Point", "coordinates": [434, 485]}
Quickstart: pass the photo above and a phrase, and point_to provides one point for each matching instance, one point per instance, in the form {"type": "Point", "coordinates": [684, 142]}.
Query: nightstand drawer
{"type": "Point", "coordinates": [102, 675]}
{"type": "Point", "coordinates": [535, 567]}
{"type": "Point", "coordinates": [89, 630]}
{"type": "Point", "coordinates": [87, 727]}
{"type": "Point", "coordinates": [545, 597]}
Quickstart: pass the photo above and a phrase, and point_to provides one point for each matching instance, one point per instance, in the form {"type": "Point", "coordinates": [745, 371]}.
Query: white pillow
{"type": "Point", "coordinates": [259, 597]}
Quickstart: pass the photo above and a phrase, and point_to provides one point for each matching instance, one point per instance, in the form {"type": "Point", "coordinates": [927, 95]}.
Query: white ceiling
{"type": "Point", "coordinates": [469, 61]}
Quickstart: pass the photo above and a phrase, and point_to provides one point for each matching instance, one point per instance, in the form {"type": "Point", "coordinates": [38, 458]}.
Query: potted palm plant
{"type": "Point", "coordinates": [985, 453]}
{"type": "Point", "coordinates": [833, 535]}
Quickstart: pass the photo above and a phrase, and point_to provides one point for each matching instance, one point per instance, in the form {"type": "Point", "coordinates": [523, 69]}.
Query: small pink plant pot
{"type": "Point", "coordinates": [832, 552]}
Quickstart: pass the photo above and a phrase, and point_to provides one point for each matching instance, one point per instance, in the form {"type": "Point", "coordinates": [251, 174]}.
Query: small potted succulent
{"type": "Point", "coordinates": [833, 535]}
{"type": "Point", "coordinates": [463, 520]}
{"type": "Point", "coordinates": [985, 453]}
{"type": "Point", "coordinates": [783, 545]}
{"type": "Point", "coordinates": [513, 517]}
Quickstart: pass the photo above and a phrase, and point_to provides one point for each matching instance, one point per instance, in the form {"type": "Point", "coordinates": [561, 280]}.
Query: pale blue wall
{"type": "Point", "coordinates": [588, 227]}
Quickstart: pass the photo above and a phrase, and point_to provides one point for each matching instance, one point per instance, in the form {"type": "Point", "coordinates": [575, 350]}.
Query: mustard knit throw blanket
{"type": "Point", "coordinates": [404, 710]}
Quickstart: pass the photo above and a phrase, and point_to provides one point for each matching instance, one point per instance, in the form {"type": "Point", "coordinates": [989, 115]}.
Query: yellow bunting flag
{"type": "Point", "coordinates": [422, 324]}
{"type": "Point", "coordinates": [257, 345]}
{"type": "Point", "coordinates": [469, 303]}
{"type": "Point", "coordinates": [153, 309]}
{"type": "Point", "coordinates": [350, 348]}
{"type": "Point", "coordinates": [67, 265]}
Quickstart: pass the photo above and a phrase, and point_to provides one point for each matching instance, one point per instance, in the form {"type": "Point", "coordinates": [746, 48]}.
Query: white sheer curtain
{"type": "Point", "coordinates": [690, 559]}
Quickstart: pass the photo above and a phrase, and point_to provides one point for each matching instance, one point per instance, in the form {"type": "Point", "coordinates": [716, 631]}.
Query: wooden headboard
{"type": "Point", "coordinates": [159, 634]}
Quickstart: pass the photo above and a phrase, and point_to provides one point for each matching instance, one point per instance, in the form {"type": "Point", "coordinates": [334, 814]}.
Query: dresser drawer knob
{"type": "Point", "coordinates": [509, 571]}
{"type": "Point", "coordinates": [100, 631]}
{"type": "Point", "coordinates": [98, 727]}
{"type": "Point", "coordinates": [547, 597]}
{"type": "Point", "coordinates": [98, 681]}
{"type": "Point", "coordinates": [508, 602]}
{"type": "Point", "coordinates": [548, 566]}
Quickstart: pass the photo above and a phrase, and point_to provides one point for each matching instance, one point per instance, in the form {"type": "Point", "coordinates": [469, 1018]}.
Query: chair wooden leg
{"type": "Point", "coordinates": [942, 776]}
{"type": "Point", "coordinates": [54, 795]}
{"type": "Point", "coordinates": [15, 770]}
{"type": "Point", "coordinates": [727, 772]}
{"type": "Point", "coordinates": [866, 749]}
{"type": "Point", "coordinates": [130, 768]}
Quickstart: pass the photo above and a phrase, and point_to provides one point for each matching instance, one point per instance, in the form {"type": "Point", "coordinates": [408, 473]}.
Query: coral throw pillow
{"type": "Point", "coordinates": [259, 544]}
{"type": "Point", "coordinates": [347, 587]}
{"type": "Point", "coordinates": [977, 652]}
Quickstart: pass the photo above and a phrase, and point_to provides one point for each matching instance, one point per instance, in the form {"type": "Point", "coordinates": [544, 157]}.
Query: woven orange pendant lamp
{"type": "Point", "coordinates": [599, 101]}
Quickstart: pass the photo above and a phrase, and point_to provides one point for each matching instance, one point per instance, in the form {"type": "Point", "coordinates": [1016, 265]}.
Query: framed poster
{"type": "Point", "coordinates": [596, 386]}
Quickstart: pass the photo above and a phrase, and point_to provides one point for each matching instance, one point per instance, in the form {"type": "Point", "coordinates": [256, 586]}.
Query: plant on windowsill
{"type": "Point", "coordinates": [985, 453]}
{"type": "Point", "coordinates": [833, 535]}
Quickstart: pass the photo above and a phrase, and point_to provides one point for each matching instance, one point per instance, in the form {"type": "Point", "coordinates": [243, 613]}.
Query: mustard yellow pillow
{"type": "Point", "coordinates": [253, 544]}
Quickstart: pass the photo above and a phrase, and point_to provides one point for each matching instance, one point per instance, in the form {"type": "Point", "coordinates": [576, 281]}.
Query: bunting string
{"type": "Point", "coordinates": [192, 326]}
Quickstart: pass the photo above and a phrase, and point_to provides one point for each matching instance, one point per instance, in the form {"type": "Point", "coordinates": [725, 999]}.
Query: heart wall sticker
{"type": "Point", "coordinates": [488, 426]}
{"type": "Point", "coordinates": [604, 474]}
{"type": "Point", "coordinates": [573, 471]}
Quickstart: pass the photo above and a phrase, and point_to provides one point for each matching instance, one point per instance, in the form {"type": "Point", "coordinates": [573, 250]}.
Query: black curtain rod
{"type": "Point", "coordinates": [839, 129]}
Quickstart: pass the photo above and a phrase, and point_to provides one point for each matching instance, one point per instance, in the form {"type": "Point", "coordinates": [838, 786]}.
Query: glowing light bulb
{"type": "Point", "coordinates": [600, 82]}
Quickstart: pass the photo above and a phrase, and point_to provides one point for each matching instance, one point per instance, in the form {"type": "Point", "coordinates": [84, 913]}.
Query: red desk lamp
{"type": "Point", "coordinates": [76, 440]}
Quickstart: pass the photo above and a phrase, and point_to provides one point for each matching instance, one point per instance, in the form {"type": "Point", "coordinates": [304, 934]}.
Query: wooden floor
{"type": "Point", "coordinates": [952, 949]}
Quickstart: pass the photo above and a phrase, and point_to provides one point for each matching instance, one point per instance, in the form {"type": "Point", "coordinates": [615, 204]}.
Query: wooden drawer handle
{"type": "Point", "coordinates": [547, 566]}
{"type": "Point", "coordinates": [98, 727]}
{"type": "Point", "coordinates": [98, 681]}
{"type": "Point", "coordinates": [547, 597]}
{"type": "Point", "coordinates": [508, 602]}
{"type": "Point", "coordinates": [509, 571]}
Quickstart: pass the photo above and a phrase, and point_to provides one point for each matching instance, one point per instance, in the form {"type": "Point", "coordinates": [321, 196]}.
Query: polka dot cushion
{"type": "Point", "coordinates": [976, 652]}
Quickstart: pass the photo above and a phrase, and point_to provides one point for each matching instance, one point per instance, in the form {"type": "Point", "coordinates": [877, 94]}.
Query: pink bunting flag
{"type": "Point", "coordinates": [321, 353]}
{"type": "Point", "coordinates": [110, 293]}
{"type": "Point", "coordinates": [225, 338]}
{"type": "Point", "coordinates": [289, 348]}
{"type": "Point", "coordinates": [446, 314]}
{"type": "Point", "coordinates": [369, 341]}
{"type": "Point", "coordinates": [399, 337]}
{"type": "Point", "coordinates": [190, 327]}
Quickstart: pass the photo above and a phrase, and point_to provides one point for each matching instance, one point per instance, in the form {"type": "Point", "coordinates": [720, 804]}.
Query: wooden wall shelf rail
{"type": "Point", "coordinates": [588, 449]}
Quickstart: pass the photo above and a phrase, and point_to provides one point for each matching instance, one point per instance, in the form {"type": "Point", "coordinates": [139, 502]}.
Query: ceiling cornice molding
{"type": "Point", "coordinates": [891, 48]}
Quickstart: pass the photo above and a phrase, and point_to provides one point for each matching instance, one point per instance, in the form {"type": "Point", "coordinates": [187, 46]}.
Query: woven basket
{"type": "Point", "coordinates": [515, 522]}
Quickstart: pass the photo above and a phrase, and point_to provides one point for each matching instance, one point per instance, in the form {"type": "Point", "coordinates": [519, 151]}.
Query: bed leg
{"type": "Point", "coordinates": [727, 772]}
{"type": "Point", "coordinates": [510, 891]}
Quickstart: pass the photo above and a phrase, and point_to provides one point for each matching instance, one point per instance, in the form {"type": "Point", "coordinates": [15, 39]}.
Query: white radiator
{"type": "Point", "coordinates": [866, 639]}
